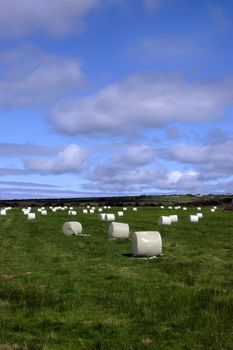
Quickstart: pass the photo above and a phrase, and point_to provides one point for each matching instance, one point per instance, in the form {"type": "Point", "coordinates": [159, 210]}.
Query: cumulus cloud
{"type": "Point", "coordinates": [69, 160]}
{"type": "Point", "coordinates": [212, 160]}
{"type": "Point", "coordinates": [142, 101]}
{"type": "Point", "coordinates": [32, 77]}
{"type": "Point", "coordinates": [58, 18]}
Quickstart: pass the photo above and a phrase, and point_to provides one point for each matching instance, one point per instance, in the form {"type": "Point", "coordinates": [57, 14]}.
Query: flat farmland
{"type": "Point", "coordinates": [88, 292]}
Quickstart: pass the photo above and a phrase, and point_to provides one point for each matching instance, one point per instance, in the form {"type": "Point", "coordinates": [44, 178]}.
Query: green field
{"type": "Point", "coordinates": [87, 292]}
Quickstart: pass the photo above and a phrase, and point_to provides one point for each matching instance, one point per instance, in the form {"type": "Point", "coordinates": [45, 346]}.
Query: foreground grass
{"type": "Point", "coordinates": [59, 292]}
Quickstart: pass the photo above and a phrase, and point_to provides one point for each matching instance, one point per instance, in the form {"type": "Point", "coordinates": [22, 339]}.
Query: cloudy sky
{"type": "Point", "coordinates": [109, 97]}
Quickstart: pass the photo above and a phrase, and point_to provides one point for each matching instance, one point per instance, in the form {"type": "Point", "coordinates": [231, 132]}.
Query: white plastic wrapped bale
{"type": "Point", "coordinates": [164, 220]}
{"type": "Point", "coordinates": [91, 211]}
{"type": "Point", "coordinates": [215, 207]}
{"type": "Point", "coordinates": [109, 207]}
{"type": "Point", "coordinates": [88, 206]}
{"type": "Point", "coordinates": [72, 228]}
{"type": "Point", "coordinates": [72, 212]}
{"type": "Point", "coordinates": [212, 210]}
{"type": "Point", "coordinates": [124, 209]}
{"type": "Point", "coordinates": [200, 215]}
{"type": "Point", "coordinates": [170, 207]}
{"type": "Point", "coordinates": [101, 217]}
{"type": "Point", "coordinates": [118, 230]}
{"type": "Point", "coordinates": [85, 211]}
{"type": "Point", "coordinates": [44, 212]}
{"type": "Point", "coordinates": [135, 209]}
{"type": "Point", "coordinates": [93, 208]}
{"type": "Point", "coordinates": [199, 208]}
{"type": "Point", "coordinates": [31, 216]}
{"type": "Point", "coordinates": [184, 208]}
{"type": "Point", "coordinates": [100, 210]}
{"type": "Point", "coordinates": [146, 243]}
{"type": "Point", "coordinates": [71, 208]}
{"type": "Point", "coordinates": [3, 212]}
{"type": "Point", "coordinates": [109, 217]}
{"type": "Point", "coordinates": [120, 213]}
{"type": "Point", "coordinates": [161, 207]}
{"type": "Point", "coordinates": [193, 218]}
{"type": "Point", "coordinates": [174, 218]}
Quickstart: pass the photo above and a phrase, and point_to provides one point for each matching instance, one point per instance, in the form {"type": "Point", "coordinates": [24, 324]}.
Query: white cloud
{"type": "Point", "coordinates": [69, 160]}
{"type": "Point", "coordinates": [55, 17]}
{"type": "Point", "coordinates": [32, 77]}
{"type": "Point", "coordinates": [142, 101]}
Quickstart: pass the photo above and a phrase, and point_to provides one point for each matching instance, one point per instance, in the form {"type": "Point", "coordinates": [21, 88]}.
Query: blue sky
{"type": "Point", "coordinates": [115, 97]}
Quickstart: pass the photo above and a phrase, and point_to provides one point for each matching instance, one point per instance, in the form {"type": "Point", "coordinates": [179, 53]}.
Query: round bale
{"type": "Point", "coordinates": [200, 215]}
{"type": "Point", "coordinates": [31, 216]}
{"type": "Point", "coordinates": [109, 217]}
{"type": "Point", "coordinates": [118, 230]}
{"type": "Point", "coordinates": [72, 228]}
{"type": "Point", "coordinates": [146, 243]}
{"type": "Point", "coordinates": [193, 218]}
{"type": "Point", "coordinates": [165, 220]}
{"type": "Point", "coordinates": [101, 217]}
{"type": "Point", "coordinates": [174, 218]}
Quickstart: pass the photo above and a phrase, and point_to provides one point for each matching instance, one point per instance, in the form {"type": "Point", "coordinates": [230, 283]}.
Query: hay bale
{"type": "Point", "coordinates": [164, 220]}
{"type": "Point", "coordinates": [118, 230]}
{"type": "Point", "coordinates": [212, 210]}
{"type": "Point", "coordinates": [199, 208]}
{"type": "Point", "coordinates": [100, 210]}
{"type": "Point", "coordinates": [109, 217]}
{"type": "Point", "coordinates": [184, 208]}
{"type": "Point", "coordinates": [101, 216]}
{"type": "Point", "coordinates": [3, 212]}
{"type": "Point", "coordinates": [85, 211]}
{"type": "Point", "coordinates": [200, 215]}
{"type": "Point", "coordinates": [146, 243]}
{"type": "Point", "coordinates": [72, 228]}
{"type": "Point", "coordinates": [161, 207]}
{"type": "Point", "coordinates": [193, 218]}
{"type": "Point", "coordinates": [44, 212]}
{"type": "Point", "coordinates": [91, 211]}
{"type": "Point", "coordinates": [120, 213]}
{"type": "Point", "coordinates": [72, 212]}
{"type": "Point", "coordinates": [174, 218]}
{"type": "Point", "coordinates": [135, 209]}
{"type": "Point", "coordinates": [31, 216]}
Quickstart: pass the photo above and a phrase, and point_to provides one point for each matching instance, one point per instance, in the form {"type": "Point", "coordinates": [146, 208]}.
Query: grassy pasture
{"type": "Point", "coordinates": [59, 292]}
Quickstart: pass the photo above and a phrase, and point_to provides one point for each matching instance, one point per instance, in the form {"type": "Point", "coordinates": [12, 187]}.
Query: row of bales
{"type": "Point", "coordinates": [144, 243]}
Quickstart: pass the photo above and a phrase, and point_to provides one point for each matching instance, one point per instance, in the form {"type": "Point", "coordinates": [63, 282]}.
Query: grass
{"type": "Point", "coordinates": [59, 292]}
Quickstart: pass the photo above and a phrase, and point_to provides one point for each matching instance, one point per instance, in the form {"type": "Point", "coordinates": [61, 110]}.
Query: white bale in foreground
{"type": "Point", "coordinates": [118, 230]}
{"type": "Point", "coordinates": [200, 215]}
{"type": "Point", "coordinates": [164, 220]}
{"type": "Point", "coordinates": [3, 212]}
{"type": "Point", "coordinates": [146, 243]}
{"type": "Point", "coordinates": [193, 218]}
{"type": "Point", "coordinates": [72, 228]}
{"type": "Point", "coordinates": [101, 216]}
{"type": "Point", "coordinates": [174, 218]}
{"type": "Point", "coordinates": [31, 216]}
{"type": "Point", "coordinates": [109, 217]}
